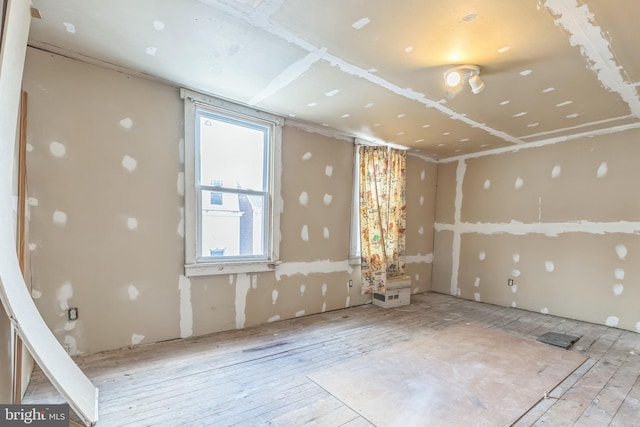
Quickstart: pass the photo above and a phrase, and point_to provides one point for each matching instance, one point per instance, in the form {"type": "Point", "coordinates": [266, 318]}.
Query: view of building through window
{"type": "Point", "coordinates": [233, 182]}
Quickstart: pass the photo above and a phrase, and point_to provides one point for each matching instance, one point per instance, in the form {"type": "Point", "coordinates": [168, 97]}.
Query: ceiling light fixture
{"type": "Point", "coordinates": [455, 77]}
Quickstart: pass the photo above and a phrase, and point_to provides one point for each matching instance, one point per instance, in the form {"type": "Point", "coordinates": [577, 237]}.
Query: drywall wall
{"type": "Point", "coordinates": [561, 220]}
{"type": "Point", "coordinates": [107, 207]}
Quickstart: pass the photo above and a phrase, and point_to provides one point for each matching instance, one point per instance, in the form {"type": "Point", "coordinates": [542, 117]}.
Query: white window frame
{"type": "Point", "coordinates": [354, 240]}
{"type": "Point", "coordinates": [205, 267]}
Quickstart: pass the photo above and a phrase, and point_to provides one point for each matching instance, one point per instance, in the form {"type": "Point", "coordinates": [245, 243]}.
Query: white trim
{"type": "Point", "coordinates": [320, 130]}
{"type": "Point", "coordinates": [213, 269]}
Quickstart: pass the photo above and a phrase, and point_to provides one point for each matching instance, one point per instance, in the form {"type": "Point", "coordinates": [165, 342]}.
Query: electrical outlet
{"type": "Point", "coordinates": [72, 314]}
{"type": "Point", "coordinates": [509, 282]}
{"type": "Point", "coordinates": [350, 283]}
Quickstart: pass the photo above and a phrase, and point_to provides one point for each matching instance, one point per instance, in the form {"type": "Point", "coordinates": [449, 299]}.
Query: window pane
{"type": "Point", "coordinates": [232, 153]}
{"type": "Point", "coordinates": [234, 227]}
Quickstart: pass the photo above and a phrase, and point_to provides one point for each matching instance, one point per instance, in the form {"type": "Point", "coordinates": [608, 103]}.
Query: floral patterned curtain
{"type": "Point", "coordinates": [383, 216]}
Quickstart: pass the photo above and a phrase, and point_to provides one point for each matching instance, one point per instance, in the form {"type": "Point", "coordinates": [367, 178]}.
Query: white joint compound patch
{"type": "Point", "coordinates": [552, 229]}
{"type": "Point", "coordinates": [516, 258]}
{"type": "Point", "coordinates": [347, 302]}
{"type": "Point", "coordinates": [71, 345]}
{"type": "Point", "coordinates": [129, 163]}
{"type": "Point", "coordinates": [287, 76]}
{"type": "Point", "coordinates": [619, 273]}
{"type": "Point", "coordinates": [612, 321]}
{"type": "Point", "coordinates": [638, 326]}
{"type": "Point", "coordinates": [324, 289]}
{"type": "Point", "coordinates": [487, 184]}
{"type": "Point", "coordinates": [273, 318]}
{"type": "Point", "coordinates": [482, 255]}
{"type": "Point", "coordinates": [33, 246]}
{"type": "Point", "coordinates": [324, 307]}
{"type": "Point", "coordinates": [71, 29]}
{"type": "Point", "coordinates": [514, 289]}
{"type": "Point", "coordinates": [306, 268]}
{"type": "Point", "coordinates": [360, 23]}
{"type": "Point", "coordinates": [618, 289]}
{"type": "Point", "coordinates": [57, 149]}
{"type": "Point", "coordinates": [621, 251]}
{"type": "Point", "coordinates": [544, 310]}
{"type": "Point", "coordinates": [555, 172]}
{"type": "Point", "coordinates": [328, 171]}
{"type": "Point", "coordinates": [423, 175]}
{"type": "Point", "coordinates": [181, 223]}
{"type": "Point", "coordinates": [577, 20]}
{"type": "Point", "coordinates": [419, 259]}
{"type": "Point", "coordinates": [186, 309]}
{"type": "Point", "coordinates": [602, 170]}
{"type": "Point", "coordinates": [549, 266]}
{"type": "Point", "coordinates": [519, 183]}
{"type": "Point", "coordinates": [133, 292]}
{"type": "Point", "coordinates": [243, 283]}
{"type": "Point", "coordinates": [304, 233]}
{"type": "Point", "coordinates": [158, 25]}
{"type": "Point", "coordinates": [476, 296]}
{"type": "Point", "coordinates": [254, 282]}
{"type": "Point", "coordinates": [302, 289]}
{"type": "Point", "coordinates": [274, 296]}
{"type": "Point", "coordinates": [421, 230]}
{"type": "Point", "coordinates": [421, 200]}
{"type": "Point", "coordinates": [151, 50]}
{"type": "Point", "coordinates": [70, 326]}
{"type": "Point", "coordinates": [59, 218]}
{"type": "Point", "coordinates": [33, 201]}
{"type": "Point", "coordinates": [303, 199]}
{"type": "Point", "coordinates": [35, 294]}
{"type": "Point", "coordinates": [300, 313]}
{"type": "Point", "coordinates": [136, 339]}
{"type": "Point", "coordinates": [326, 199]}
{"type": "Point", "coordinates": [180, 184]}
{"type": "Point", "coordinates": [515, 273]}
{"type": "Point", "coordinates": [514, 304]}
{"type": "Point", "coordinates": [132, 223]}
{"type": "Point", "coordinates": [29, 147]}
{"type": "Point", "coordinates": [325, 233]}
{"type": "Point", "coordinates": [457, 242]}
{"type": "Point", "coordinates": [126, 123]}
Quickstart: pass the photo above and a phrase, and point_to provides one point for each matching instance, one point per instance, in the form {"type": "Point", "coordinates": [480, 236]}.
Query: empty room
{"type": "Point", "coordinates": [332, 213]}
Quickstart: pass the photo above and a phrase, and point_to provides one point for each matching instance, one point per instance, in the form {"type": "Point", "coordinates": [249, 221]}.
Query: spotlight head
{"type": "Point", "coordinates": [476, 84]}
{"type": "Point", "coordinates": [453, 78]}
{"type": "Point", "coordinates": [456, 76]}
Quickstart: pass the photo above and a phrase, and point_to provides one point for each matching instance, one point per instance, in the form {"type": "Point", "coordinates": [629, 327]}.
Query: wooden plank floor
{"type": "Point", "coordinates": [258, 376]}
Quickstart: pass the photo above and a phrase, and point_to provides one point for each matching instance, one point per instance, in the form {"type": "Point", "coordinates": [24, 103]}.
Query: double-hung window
{"type": "Point", "coordinates": [232, 187]}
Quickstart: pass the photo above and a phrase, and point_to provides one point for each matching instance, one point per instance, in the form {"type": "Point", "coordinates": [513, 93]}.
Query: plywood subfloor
{"type": "Point", "coordinates": [258, 376]}
{"type": "Point", "coordinates": [464, 375]}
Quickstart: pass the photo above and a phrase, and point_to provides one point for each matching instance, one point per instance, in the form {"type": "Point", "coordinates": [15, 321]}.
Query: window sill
{"type": "Point", "coordinates": [214, 269]}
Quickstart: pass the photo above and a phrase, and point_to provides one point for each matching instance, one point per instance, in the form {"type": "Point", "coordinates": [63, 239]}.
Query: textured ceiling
{"type": "Point", "coordinates": [373, 69]}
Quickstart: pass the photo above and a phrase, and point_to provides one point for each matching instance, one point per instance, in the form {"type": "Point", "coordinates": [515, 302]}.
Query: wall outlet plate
{"type": "Point", "coordinates": [72, 314]}
{"type": "Point", "coordinates": [509, 282]}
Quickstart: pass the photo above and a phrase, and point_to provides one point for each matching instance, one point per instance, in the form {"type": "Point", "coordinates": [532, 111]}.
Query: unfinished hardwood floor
{"type": "Point", "coordinates": [258, 376]}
